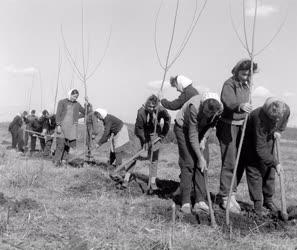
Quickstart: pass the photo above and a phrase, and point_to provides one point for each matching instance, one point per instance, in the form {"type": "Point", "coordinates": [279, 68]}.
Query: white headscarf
{"type": "Point", "coordinates": [102, 112]}
{"type": "Point", "coordinates": [183, 81]}
{"type": "Point", "coordinates": [211, 95]}
{"type": "Point", "coordinates": [69, 93]}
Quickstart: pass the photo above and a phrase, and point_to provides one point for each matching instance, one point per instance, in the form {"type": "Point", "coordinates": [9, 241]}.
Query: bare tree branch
{"type": "Point", "coordinates": [103, 56]}
{"type": "Point", "coordinates": [275, 35]}
{"type": "Point", "coordinates": [170, 44]}
{"type": "Point", "coordinates": [155, 36]}
{"type": "Point", "coordinates": [244, 27]}
{"type": "Point", "coordinates": [70, 58]}
{"type": "Point", "coordinates": [190, 26]}
{"type": "Point", "coordinates": [190, 34]}
{"type": "Point", "coordinates": [235, 29]}
{"type": "Point", "coordinates": [58, 79]}
{"type": "Point", "coordinates": [82, 40]}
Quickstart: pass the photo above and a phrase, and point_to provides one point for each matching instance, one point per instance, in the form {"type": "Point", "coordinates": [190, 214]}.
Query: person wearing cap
{"type": "Point", "coordinates": [48, 130]}
{"type": "Point", "coordinates": [258, 155]}
{"type": "Point", "coordinates": [117, 131]}
{"type": "Point", "coordinates": [15, 128]}
{"type": "Point", "coordinates": [183, 85]}
{"type": "Point", "coordinates": [69, 110]}
{"type": "Point", "coordinates": [31, 117]}
{"type": "Point", "coordinates": [149, 115]}
{"type": "Point", "coordinates": [196, 116]}
{"type": "Point", "coordinates": [36, 125]}
{"type": "Point", "coordinates": [235, 97]}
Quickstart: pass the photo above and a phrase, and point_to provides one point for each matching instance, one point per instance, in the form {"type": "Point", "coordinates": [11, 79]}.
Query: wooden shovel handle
{"type": "Point", "coordinates": [282, 185]}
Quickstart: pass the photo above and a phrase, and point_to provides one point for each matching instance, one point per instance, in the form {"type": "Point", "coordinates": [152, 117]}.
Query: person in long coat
{"type": "Point", "coordinates": [69, 110]}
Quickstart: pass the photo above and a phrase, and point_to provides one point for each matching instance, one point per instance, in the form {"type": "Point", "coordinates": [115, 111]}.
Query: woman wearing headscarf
{"type": "Point", "coordinates": [259, 159]}
{"type": "Point", "coordinates": [235, 97]}
{"type": "Point", "coordinates": [183, 85]}
{"type": "Point", "coordinates": [196, 116]}
{"type": "Point", "coordinates": [68, 113]}
{"type": "Point", "coordinates": [117, 131]}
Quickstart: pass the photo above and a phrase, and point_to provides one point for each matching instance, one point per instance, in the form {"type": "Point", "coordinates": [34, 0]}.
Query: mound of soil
{"type": "Point", "coordinates": [97, 183]}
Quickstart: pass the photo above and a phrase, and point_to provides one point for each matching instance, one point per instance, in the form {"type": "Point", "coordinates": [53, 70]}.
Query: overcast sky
{"type": "Point", "coordinates": [31, 39]}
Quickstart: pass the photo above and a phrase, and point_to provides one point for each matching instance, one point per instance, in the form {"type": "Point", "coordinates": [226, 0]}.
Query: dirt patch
{"type": "Point", "coordinates": [18, 206]}
{"type": "Point", "coordinates": [96, 182]}
{"type": "Point", "coordinates": [243, 224]}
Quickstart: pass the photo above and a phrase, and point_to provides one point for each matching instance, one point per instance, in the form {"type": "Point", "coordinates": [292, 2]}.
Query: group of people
{"type": "Point", "coordinates": [197, 114]}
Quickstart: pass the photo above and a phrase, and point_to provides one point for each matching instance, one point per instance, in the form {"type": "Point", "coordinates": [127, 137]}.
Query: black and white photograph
{"type": "Point", "coordinates": [148, 124]}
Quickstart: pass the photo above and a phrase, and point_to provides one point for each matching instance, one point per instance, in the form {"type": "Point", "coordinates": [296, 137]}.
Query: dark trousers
{"type": "Point", "coordinates": [62, 148]}
{"type": "Point", "coordinates": [17, 138]}
{"type": "Point", "coordinates": [48, 146]}
{"type": "Point", "coordinates": [229, 138]}
{"type": "Point", "coordinates": [116, 158]}
{"type": "Point", "coordinates": [190, 173]}
{"type": "Point", "coordinates": [261, 183]}
{"type": "Point", "coordinates": [26, 138]}
{"type": "Point", "coordinates": [33, 143]}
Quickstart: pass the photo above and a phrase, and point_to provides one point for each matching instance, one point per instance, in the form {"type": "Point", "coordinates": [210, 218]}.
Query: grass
{"type": "Point", "coordinates": [81, 208]}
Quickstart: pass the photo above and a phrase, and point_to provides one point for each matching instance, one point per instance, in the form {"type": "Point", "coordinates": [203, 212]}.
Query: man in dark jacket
{"type": "Point", "coordinates": [183, 85]}
{"type": "Point", "coordinates": [258, 157]}
{"type": "Point", "coordinates": [32, 116]}
{"type": "Point", "coordinates": [147, 116]}
{"type": "Point", "coordinates": [15, 128]}
{"type": "Point", "coordinates": [37, 125]}
{"type": "Point", "coordinates": [48, 130]}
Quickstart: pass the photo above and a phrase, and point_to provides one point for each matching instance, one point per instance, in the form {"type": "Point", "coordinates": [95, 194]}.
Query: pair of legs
{"type": "Point", "coordinates": [153, 169]}
{"type": "Point", "coordinates": [191, 176]}
{"type": "Point", "coordinates": [229, 138]}
{"type": "Point", "coordinates": [17, 138]}
{"type": "Point", "coordinates": [62, 149]}
{"type": "Point", "coordinates": [48, 146]}
{"type": "Point", "coordinates": [33, 143]}
{"type": "Point", "coordinates": [261, 185]}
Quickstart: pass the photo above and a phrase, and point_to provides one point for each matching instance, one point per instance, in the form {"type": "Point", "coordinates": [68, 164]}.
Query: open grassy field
{"type": "Point", "coordinates": [44, 207]}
